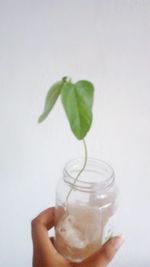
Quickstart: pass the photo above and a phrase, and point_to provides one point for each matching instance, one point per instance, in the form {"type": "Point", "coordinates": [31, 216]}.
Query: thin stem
{"type": "Point", "coordinates": [84, 165]}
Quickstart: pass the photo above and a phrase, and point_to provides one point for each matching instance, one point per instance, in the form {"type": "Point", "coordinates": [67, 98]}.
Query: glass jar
{"type": "Point", "coordinates": [84, 208]}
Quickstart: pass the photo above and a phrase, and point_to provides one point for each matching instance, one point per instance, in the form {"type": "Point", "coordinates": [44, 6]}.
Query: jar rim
{"type": "Point", "coordinates": [91, 186]}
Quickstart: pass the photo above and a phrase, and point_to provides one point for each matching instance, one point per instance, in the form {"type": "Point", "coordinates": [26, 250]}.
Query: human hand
{"type": "Point", "coordinates": [45, 254]}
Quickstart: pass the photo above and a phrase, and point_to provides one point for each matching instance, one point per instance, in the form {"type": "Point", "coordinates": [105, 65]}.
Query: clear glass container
{"type": "Point", "coordinates": [84, 209]}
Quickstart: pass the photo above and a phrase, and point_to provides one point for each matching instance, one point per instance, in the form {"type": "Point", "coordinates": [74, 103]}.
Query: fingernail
{"type": "Point", "coordinates": [118, 241]}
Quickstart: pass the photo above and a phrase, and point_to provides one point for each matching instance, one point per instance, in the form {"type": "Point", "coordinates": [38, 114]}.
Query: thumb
{"type": "Point", "coordinates": [108, 251]}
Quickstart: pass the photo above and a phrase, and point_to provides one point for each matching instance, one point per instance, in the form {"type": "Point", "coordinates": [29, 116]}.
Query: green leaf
{"type": "Point", "coordinates": [51, 98]}
{"type": "Point", "coordinates": [77, 100]}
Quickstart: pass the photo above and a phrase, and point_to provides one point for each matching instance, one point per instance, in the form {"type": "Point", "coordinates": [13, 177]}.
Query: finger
{"type": "Point", "coordinates": [105, 254]}
{"type": "Point", "coordinates": [109, 250]}
{"type": "Point", "coordinates": [45, 218]}
{"type": "Point", "coordinates": [40, 226]}
{"type": "Point", "coordinates": [44, 252]}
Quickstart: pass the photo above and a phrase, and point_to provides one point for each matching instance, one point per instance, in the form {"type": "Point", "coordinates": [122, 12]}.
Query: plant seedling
{"type": "Point", "coordinates": [77, 100]}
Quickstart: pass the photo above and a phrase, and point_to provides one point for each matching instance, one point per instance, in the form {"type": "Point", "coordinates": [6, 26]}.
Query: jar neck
{"type": "Point", "coordinates": [96, 177]}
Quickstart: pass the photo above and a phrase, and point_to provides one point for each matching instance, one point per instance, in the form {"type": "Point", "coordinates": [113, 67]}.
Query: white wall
{"type": "Point", "coordinates": [107, 42]}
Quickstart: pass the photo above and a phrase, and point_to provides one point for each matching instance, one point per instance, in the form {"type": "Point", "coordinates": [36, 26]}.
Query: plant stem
{"type": "Point", "coordinates": [84, 165]}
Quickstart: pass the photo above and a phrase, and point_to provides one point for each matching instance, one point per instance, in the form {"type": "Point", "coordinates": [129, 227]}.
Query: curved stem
{"type": "Point", "coordinates": [84, 165]}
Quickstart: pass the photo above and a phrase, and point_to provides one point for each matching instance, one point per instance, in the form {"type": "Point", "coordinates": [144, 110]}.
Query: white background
{"type": "Point", "coordinates": [107, 42]}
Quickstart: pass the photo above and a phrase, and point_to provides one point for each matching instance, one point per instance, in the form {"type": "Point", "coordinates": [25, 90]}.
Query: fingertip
{"type": "Point", "coordinates": [45, 218]}
{"type": "Point", "coordinates": [117, 241]}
